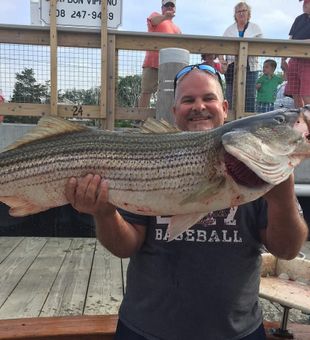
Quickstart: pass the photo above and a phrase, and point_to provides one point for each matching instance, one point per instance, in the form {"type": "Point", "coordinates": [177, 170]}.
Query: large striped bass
{"type": "Point", "coordinates": [183, 174]}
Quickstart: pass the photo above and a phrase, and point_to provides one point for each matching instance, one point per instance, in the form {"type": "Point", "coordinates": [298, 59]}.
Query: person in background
{"type": "Point", "coordinates": [212, 60]}
{"type": "Point", "coordinates": [204, 284]}
{"type": "Point", "coordinates": [266, 87]}
{"type": "Point", "coordinates": [298, 69]}
{"type": "Point", "coordinates": [243, 27]}
{"type": "Point", "coordinates": [161, 23]}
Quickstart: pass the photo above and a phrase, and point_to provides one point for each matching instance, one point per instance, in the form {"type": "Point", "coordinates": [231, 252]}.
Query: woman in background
{"type": "Point", "coordinates": [242, 27]}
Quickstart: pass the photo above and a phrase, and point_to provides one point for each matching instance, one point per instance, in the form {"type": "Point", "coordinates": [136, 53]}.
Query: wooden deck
{"type": "Point", "coordinates": [66, 288]}
{"type": "Point", "coordinates": [43, 277]}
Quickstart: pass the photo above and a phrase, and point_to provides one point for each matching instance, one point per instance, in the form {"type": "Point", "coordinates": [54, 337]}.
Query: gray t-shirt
{"type": "Point", "coordinates": [203, 285]}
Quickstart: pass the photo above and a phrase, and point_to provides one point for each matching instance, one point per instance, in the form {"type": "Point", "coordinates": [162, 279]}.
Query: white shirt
{"type": "Point", "coordinates": [252, 31]}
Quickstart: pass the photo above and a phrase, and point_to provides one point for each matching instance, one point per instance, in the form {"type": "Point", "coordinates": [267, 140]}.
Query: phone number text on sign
{"type": "Point", "coordinates": [82, 13]}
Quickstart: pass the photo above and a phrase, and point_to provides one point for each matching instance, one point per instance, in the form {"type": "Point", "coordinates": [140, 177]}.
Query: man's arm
{"type": "Point", "coordinates": [90, 195]}
{"type": "Point", "coordinates": [157, 19]}
{"type": "Point", "coordinates": [286, 230]}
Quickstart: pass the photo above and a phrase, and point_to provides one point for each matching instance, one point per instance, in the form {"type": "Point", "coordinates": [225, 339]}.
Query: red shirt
{"type": "Point", "coordinates": [166, 26]}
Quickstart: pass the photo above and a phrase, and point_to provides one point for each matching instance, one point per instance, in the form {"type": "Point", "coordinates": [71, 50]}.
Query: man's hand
{"type": "Point", "coordinates": [286, 230]}
{"type": "Point", "coordinates": [89, 195]}
{"type": "Point", "coordinates": [284, 65]}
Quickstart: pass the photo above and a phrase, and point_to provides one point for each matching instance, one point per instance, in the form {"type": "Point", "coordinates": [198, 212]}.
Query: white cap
{"type": "Point", "coordinates": [164, 2]}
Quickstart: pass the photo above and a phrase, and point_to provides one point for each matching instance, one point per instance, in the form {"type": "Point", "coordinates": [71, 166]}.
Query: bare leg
{"type": "Point", "coordinates": [298, 101]}
{"type": "Point", "coordinates": [306, 100]}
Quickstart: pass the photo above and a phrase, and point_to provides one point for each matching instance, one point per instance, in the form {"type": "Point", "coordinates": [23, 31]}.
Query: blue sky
{"type": "Point", "coordinates": [205, 17]}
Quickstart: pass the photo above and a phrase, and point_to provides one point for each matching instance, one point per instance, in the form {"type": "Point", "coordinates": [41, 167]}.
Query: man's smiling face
{"type": "Point", "coordinates": [199, 103]}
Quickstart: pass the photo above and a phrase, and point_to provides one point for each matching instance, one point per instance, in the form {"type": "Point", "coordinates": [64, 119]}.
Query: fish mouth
{"type": "Point", "coordinates": [240, 173]}
{"type": "Point", "coordinates": [268, 152]}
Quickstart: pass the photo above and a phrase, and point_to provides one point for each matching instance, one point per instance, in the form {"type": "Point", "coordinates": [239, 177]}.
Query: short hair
{"type": "Point", "coordinates": [271, 62]}
{"type": "Point", "coordinates": [242, 4]}
{"type": "Point", "coordinates": [215, 77]}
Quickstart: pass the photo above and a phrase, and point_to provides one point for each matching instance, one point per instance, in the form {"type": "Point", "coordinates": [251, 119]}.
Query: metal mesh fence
{"type": "Point", "coordinates": [25, 67]}
{"type": "Point", "coordinates": [79, 71]}
{"type": "Point", "coordinates": [15, 59]}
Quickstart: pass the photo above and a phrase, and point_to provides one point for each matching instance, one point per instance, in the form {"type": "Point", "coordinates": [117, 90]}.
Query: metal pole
{"type": "Point", "coordinates": [171, 60]}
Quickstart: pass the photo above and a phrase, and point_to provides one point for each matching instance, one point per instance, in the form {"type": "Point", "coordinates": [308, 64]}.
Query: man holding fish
{"type": "Point", "coordinates": [204, 283]}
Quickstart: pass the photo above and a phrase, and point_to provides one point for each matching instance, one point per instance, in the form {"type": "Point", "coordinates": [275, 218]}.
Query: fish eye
{"type": "Point", "coordinates": [280, 119]}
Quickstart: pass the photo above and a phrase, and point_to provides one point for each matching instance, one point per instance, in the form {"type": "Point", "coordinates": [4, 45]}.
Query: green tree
{"type": "Point", "coordinates": [27, 90]}
{"type": "Point", "coordinates": [82, 97]}
{"type": "Point", "coordinates": [129, 89]}
{"type": "Point", "coordinates": [128, 92]}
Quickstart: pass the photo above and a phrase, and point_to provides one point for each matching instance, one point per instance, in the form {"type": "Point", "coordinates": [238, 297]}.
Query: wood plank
{"type": "Point", "coordinates": [17, 34]}
{"type": "Point", "coordinates": [279, 48]}
{"type": "Point", "coordinates": [104, 65]}
{"type": "Point", "coordinates": [240, 81]}
{"type": "Point", "coordinates": [31, 35]}
{"type": "Point", "coordinates": [288, 293]}
{"type": "Point", "coordinates": [14, 267]}
{"type": "Point", "coordinates": [77, 111]}
{"type": "Point", "coordinates": [38, 110]}
{"type": "Point", "coordinates": [61, 328]}
{"type": "Point", "coordinates": [27, 299]}
{"type": "Point", "coordinates": [7, 245]}
{"type": "Point", "coordinates": [111, 83]}
{"type": "Point", "coordinates": [53, 57]}
{"type": "Point", "coordinates": [68, 294]}
{"type": "Point", "coordinates": [94, 328]}
{"type": "Point", "coordinates": [105, 291]}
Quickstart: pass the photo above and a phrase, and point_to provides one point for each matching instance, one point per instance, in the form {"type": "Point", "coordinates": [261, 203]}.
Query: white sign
{"type": "Point", "coordinates": [82, 13]}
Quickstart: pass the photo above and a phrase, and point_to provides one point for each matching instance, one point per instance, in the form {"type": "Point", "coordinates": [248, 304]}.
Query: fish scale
{"type": "Point", "coordinates": [183, 174]}
{"type": "Point", "coordinates": [118, 156]}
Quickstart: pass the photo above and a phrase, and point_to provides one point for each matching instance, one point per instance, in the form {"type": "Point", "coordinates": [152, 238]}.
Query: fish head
{"type": "Point", "coordinates": [267, 147]}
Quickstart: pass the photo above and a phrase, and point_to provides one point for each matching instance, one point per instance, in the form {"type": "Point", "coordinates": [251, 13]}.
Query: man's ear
{"type": "Point", "coordinates": [225, 108]}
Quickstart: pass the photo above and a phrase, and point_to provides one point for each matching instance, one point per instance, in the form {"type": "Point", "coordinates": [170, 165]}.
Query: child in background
{"type": "Point", "coordinates": [266, 87]}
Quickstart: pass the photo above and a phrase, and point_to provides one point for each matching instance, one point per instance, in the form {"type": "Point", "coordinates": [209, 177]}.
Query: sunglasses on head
{"type": "Point", "coordinates": [189, 68]}
{"type": "Point", "coordinates": [169, 4]}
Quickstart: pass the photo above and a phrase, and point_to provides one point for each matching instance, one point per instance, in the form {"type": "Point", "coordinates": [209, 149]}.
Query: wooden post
{"type": "Point", "coordinates": [241, 80]}
{"type": "Point", "coordinates": [111, 86]}
{"type": "Point", "coordinates": [104, 64]}
{"type": "Point", "coordinates": [171, 60]}
{"type": "Point", "coordinates": [53, 57]}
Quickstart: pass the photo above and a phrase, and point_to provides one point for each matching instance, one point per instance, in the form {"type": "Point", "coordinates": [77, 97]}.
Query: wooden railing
{"type": "Point", "coordinates": [121, 40]}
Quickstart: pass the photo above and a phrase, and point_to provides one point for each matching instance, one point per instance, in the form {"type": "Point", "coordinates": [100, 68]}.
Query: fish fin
{"type": "Point", "coordinates": [48, 126]}
{"type": "Point", "coordinates": [270, 166]}
{"type": "Point", "coordinates": [152, 125]}
{"type": "Point", "coordinates": [206, 189]}
{"type": "Point", "coordinates": [179, 223]}
{"type": "Point", "coordinates": [21, 207]}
